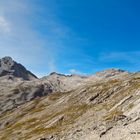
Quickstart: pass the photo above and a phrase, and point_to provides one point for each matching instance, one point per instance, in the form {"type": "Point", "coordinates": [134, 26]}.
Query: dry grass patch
{"type": "Point", "coordinates": [113, 114]}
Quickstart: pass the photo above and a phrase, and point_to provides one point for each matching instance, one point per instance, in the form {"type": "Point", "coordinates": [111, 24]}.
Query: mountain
{"type": "Point", "coordinates": [100, 106]}
{"type": "Point", "coordinates": [12, 68]}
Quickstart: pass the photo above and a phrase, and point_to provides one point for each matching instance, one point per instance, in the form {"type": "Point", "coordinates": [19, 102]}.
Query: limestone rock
{"type": "Point", "coordinates": [101, 106]}
{"type": "Point", "coordinates": [10, 67]}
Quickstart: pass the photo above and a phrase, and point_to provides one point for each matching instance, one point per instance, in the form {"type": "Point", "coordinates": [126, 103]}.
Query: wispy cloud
{"type": "Point", "coordinates": [20, 38]}
{"type": "Point", "coordinates": [4, 25]}
{"type": "Point", "coordinates": [74, 71]}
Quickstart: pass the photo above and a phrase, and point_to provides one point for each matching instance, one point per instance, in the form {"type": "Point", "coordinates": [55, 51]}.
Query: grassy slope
{"type": "Point", "coordinates": [59, 112]}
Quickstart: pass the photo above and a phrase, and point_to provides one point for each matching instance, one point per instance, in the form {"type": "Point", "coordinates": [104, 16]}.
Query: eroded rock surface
{"type": "Point", "coordinates": [101, 106]}
{"type": "Point", "coordinates": [9, 67]}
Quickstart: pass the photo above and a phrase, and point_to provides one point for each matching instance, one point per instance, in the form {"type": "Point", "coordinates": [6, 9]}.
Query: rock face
{"type": "Point", "coordinates": [10, 67]}
{"type": "Point", "coordinates": [110, 72]}
{"type": "Point", "coordinates": [102, 106]}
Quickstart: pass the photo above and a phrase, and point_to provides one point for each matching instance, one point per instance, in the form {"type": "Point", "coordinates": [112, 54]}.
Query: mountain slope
{"type": "Point", "coordinates": [103, 106]}
{"type": "Point", "coordinates": [12, 68]}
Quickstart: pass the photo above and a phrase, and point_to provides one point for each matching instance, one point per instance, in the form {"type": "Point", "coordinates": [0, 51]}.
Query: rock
{"type": "Point", "coordinates": [61, 107]}
{"type": "Point", "coordinates": [94, 97]}
{"type": "Point", "coordinates": [119, 117]}
{"type": "Point", "coordinates": [43, 139]}
{"type": "Point", "coordinates": [105, 131]}
{"type": "Point", "coordinates": [110, 72]}
{"type": "Point", "coordinates": [9, 67]}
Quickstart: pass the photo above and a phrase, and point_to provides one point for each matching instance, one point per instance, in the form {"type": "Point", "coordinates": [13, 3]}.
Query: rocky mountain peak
{"type": "Point", "coordinates": [56, 74]}
{"type": "Point", "coordinates": [9, 67]}
{"type": "Point", "coordinates": [69, 107]}
{"type": "Point", "coordinates": [6, 63]}
{"type": "Point", "coordinates": [110, 72]}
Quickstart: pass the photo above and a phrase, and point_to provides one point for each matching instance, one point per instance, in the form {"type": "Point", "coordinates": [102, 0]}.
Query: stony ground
{"type": "Point", "coordinates": [104, 106]}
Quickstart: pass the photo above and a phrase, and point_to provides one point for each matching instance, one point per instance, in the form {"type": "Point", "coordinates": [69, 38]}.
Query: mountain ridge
{"type": "Point", "coordinates": [99, 106]}
{"type": "Point", "coordinates": [9, 67]}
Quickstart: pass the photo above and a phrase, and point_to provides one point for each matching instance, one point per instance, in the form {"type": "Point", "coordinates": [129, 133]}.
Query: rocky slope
{"type": "Point", "coordinates": [12, 68]}
{"type": "Point", "coordinates": [102, 106]}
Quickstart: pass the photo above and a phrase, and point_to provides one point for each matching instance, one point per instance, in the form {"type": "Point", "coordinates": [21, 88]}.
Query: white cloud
{"type": "Point", "coordinates": [4, 25]}
{"type": "Point", "coordinates": [34, 35]}
{"type": "Point", "coordinates": [19, 40]}
{"type": "Point", "coordinates": [74, 71]}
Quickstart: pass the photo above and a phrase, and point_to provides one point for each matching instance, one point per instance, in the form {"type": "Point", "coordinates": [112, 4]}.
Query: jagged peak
{"type": "Point", "coordinates": [8, 58]}
{"type": "Point", "coordinates": [10, 67]}
{"type": "Point", "coordinates": [67, 75]}
{"type": "Point", "coordinates": [55, 73]}
{"type": "Point", "coordinates": [110, 72]}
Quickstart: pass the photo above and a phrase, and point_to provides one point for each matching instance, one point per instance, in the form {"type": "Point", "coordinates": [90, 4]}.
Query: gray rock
{"type": "Point", "coordinates": [9, 67]}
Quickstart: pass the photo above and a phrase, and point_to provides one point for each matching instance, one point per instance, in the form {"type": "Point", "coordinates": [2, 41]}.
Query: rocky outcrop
{"type": "Point", "coordinates": [10, 67]}
{"type": "Point", "coordinates": [102, 106]}
{"type": "Point", "coordinates": [110, 72]}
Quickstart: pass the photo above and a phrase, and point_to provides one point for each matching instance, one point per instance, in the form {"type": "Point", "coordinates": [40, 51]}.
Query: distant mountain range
{"type": "Point", "coordinates": [100, 106]}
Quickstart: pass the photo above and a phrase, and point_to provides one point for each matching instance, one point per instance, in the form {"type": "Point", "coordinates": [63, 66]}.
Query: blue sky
{"type": "Point", "coordinates": [71, 36]}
